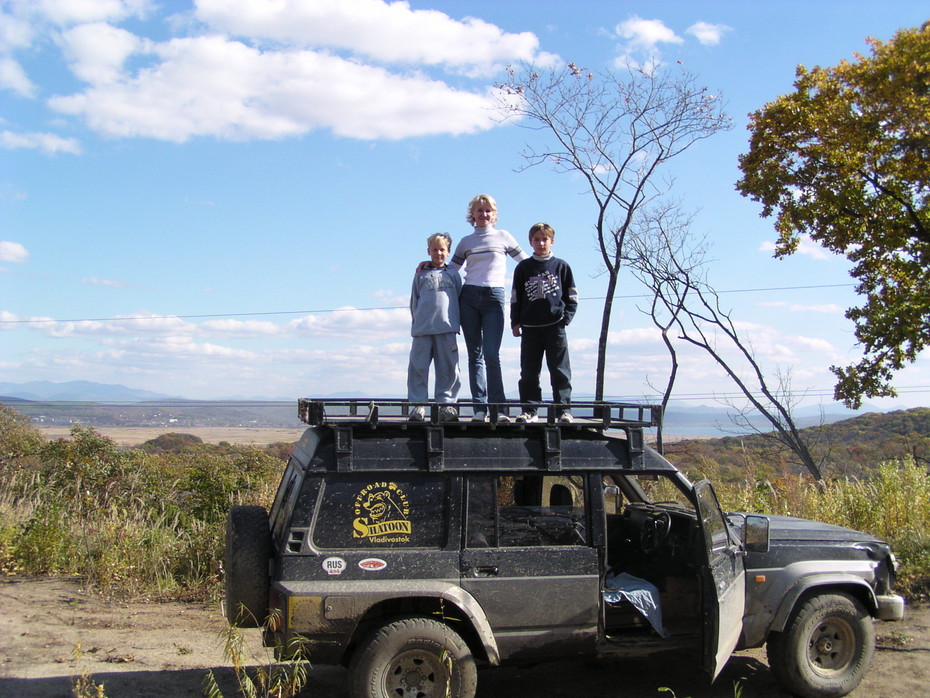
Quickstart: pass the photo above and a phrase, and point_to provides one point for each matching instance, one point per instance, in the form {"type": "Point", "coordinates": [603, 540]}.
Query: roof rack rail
{"type": "Point", "coordinates": [373, 412]}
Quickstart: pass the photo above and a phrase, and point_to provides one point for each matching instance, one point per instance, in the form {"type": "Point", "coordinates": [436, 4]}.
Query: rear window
{"type": "Point", "coordinates": [362, 511]}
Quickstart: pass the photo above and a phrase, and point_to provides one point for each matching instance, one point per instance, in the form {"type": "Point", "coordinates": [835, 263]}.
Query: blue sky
{"type": "Point", "coordinates": [227, 198]}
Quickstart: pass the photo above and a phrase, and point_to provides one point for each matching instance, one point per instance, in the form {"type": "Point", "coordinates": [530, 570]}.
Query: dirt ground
{"type": "Point", "coordinates": [164, 650]}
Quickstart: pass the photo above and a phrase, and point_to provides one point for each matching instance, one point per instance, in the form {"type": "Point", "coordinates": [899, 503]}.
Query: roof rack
{"type": "Point", "coordinates": [372, 412]}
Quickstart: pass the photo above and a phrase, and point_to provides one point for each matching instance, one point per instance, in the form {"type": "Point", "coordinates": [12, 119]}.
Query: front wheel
{"type": "Point", "coordinates": [413, 657]}
{"type": "Point", "coordinates": [825, 649]}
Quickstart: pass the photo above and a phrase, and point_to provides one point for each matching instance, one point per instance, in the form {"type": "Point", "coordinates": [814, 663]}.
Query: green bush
{"type": "Point", "coordinates": [131, 522]}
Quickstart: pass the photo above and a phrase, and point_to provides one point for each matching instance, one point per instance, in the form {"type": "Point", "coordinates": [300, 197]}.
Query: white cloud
{"type": "Point", "coordinates": [97, 51]}
{"type": "Point", "coordinates": [111, 283]}
{"type": "Point", "coordinates": [210, 86]}
{"type": "Point", "coordinates": [65, 12]}
{"type": "Point", "coordinates": [13, 77]}
{"type": "Point", "coordinates": [708, 34]}
{"type": "Point", "coordinates": [646, 34]}
{"type": "Point", "coordinates": [46, 142]}
{"type": "Point", "coordinates": [13, 252]}
{"type": "Point", "coordinates": [806, 247]}
{"type": "Point", "coordinates": [387, 32]}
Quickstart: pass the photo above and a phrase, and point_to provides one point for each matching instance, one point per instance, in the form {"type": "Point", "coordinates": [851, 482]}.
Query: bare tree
{"type": "Point", "coordinates": [663, 256]}
{"type": "Point", "coordinates": [616, 131]}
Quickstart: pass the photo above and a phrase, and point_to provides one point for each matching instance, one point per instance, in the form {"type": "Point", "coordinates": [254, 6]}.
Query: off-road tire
{"type": "Point", "coordinates": [825, 649]}
{"type": "Point", "coordinates": [413, 657]}
{"type": "Point", "coordinates": [248, 550]}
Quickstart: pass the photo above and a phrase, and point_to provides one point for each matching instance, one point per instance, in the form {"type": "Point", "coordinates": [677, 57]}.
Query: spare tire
{"type": "Point", "coordinates": [248, 550]}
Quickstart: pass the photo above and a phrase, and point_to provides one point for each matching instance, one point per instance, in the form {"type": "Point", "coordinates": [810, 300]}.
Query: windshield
{"type": "Point", "coordinates": [649, 488]}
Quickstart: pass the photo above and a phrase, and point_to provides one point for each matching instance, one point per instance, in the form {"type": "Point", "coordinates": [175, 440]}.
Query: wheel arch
{"type": "Point", "coordinates": [455, 608]}
{"type": "Point", "coordinates": [825, 584]}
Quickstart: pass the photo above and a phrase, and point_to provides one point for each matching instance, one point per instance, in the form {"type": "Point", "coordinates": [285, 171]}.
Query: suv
{"type": "Point", "coordinates": [411, 550]}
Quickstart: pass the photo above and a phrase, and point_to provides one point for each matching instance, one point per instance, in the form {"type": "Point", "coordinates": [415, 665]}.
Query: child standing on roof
{"type": "Point", "coordinates": [434, 309]}
{"type": "Point", "coordinates": [542, 304]}
{"type": "Point", "coordinates": [483, 255]}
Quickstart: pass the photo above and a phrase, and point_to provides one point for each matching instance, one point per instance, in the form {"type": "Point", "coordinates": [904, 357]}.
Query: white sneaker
{"type": "Point", "coordinates": [566, 418]}
{"type": "Point", "coordinates": [480, 416]}
{"type": "Point", "coordinates": [448, 414]}
{"type": "Point", "coordinates": [417, 414]}
{"type": "Point", "coordinates": [528, 417]}
{"type": "Point", "coordinates": [503, 419]}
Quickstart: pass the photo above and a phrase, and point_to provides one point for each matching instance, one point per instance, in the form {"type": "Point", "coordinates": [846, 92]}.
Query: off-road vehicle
{"type": "Point", "coordinates": [411, 551]}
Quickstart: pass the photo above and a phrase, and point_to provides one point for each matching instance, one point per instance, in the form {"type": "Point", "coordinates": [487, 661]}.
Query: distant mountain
{"type": "Point", "coordinates": [77, 391]}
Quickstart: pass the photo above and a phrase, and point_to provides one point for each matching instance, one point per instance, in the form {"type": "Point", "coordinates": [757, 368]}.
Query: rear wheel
{"type": "Point", "coordinates": [248, 550]}
{"type": "Point", "coordinates": [826, 648]}
{"type": "Point", "coordinates": [413, 658]}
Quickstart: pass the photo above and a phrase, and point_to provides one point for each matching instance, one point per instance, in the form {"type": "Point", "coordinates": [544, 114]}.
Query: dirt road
{"type": "Point", "coordinates": [149, 650]}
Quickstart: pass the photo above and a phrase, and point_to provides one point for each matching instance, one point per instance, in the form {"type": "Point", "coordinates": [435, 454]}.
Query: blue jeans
{"type": "Point", "coordinates": [481, 310]}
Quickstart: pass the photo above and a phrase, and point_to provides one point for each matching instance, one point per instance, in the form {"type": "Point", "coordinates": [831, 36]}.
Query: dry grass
{"type": "Point", "coordinates": [126, 437]}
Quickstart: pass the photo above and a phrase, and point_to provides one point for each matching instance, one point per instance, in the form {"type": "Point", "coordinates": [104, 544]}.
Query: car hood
{"type": "Point", "coordinates": [793, 529]}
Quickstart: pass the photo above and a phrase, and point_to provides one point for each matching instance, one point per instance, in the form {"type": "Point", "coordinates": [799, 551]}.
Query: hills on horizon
{"type": "Point", "coordinates": [681, 418]}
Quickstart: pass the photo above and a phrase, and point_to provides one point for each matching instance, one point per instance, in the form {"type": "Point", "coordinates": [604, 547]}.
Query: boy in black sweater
{"type": "Point", "coordinates": [542, 304]}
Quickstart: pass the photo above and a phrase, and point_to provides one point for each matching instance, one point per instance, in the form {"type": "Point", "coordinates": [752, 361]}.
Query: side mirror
{"type": "Point", "coordinates": [756, 533]}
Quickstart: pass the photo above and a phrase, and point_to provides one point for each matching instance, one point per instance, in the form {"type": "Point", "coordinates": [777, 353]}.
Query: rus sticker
{"type": "Point", "coordinates": [334, 565]}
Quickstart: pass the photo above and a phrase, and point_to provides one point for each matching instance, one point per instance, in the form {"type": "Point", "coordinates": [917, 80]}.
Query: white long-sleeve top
{"type": "Point", "coordinates": [483, 254]}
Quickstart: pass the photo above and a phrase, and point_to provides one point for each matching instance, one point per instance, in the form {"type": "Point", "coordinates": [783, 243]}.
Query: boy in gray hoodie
{"type": "Point", "coordinates": [434, 309]}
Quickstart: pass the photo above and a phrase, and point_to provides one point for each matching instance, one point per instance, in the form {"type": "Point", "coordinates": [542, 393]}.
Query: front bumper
{"type": "Point", "coordinates": [890, 607]}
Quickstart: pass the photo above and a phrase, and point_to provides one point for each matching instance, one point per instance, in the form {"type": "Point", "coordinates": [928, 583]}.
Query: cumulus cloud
{"type": "Point", "coordinates": [97, 51]}
{"type": "Point", "coordinates": [365, 69]}
{"type": "Point", "coordinates": [65, 12]}
{"type": "Point", "coordinates": [212, 86]}
{"type": "Point", "coordinates": [706, 33]}
{"type": "Point", "coordinates": [13, 77]}
{"type": "Point", "coordinates": [646, 34]}
{"type": "Point", "coordinates": [13, 252]}
{"type": "Point", "coordinates": [643, 40]}
{"type": "Point", "coordinates": [387, 32]}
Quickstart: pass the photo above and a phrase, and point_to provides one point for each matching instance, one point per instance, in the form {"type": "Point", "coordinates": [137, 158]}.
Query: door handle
{"type": "Point", "coordinates": [486, 571]}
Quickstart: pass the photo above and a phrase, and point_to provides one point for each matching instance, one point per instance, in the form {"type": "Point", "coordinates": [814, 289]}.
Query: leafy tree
{"type": "Point", "coordinates": [617, 132]}
{"type": "Point", "coordinates": [845, 159]}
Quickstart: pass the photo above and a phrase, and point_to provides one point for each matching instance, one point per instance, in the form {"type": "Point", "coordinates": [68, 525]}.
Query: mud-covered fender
{"type": "Point", "coordinates": [772, 594]}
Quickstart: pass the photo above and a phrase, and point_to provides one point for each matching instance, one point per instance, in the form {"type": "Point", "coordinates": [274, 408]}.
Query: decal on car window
{"type": "Point", "coordinates": [382, 514]}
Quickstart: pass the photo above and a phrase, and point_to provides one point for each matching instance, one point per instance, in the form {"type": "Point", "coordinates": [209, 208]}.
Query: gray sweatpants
{"type": "Point", "coordinates": [442, 350]}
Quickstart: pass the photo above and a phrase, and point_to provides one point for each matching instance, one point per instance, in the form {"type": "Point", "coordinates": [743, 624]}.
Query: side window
{"type": "Point", "coordinates": [396, 512]}
{"type": "Point", "coordinates": [715, 530]}
{"type": "Point", "coordinates": [525, 511]}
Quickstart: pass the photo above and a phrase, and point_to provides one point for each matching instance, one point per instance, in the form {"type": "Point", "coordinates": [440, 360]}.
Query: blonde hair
{"type": "Point", "coordinates": [481, 199]}
{"type": "Point", "coordinates": [543, 228]}
{"type": "Point", "coordinates": [440, 236]}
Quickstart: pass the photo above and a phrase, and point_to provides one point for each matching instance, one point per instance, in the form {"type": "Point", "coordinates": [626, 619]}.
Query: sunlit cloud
{"type": "Point", "coordinates": [13, 252]}
{"type": "Point", "coordinates": [708, 34]}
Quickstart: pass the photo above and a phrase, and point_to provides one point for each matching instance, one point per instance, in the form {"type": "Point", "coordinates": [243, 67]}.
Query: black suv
{"type": "Point", "coordinates": [411, 550]}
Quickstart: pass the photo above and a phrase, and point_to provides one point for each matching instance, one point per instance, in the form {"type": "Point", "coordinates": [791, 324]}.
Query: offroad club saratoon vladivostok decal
{"type": "Point", "coordinates": [381, 511]}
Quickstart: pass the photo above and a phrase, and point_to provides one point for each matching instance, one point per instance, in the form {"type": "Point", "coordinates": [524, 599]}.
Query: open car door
{"type": "Point", "coordinates": [723, 580]}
